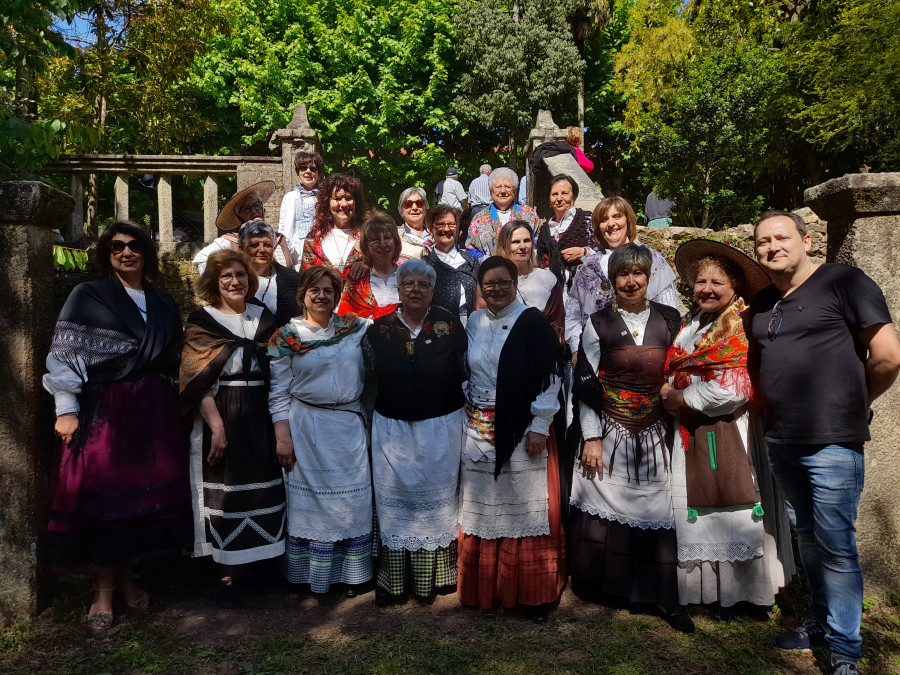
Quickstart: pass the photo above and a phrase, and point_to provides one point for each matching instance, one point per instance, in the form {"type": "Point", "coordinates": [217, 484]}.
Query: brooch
{"type": "Point", "coordinates": [410, 348]}
{"type": "Point", "coordinates": [441, 328]}
{"type": "Point", "coordinates": [605, 285]}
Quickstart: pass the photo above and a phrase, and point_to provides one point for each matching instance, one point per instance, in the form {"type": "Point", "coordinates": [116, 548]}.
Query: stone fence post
{"type": "Point", "coordinates": [28, 212]}
{"type": "Point", "coordinates": [863, 214]}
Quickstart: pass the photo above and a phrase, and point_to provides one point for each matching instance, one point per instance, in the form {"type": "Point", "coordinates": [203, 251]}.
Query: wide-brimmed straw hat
{"type": "Point", "coordinates": [227, 218]}
{"type": "Point", "coordinates": [691, 252]}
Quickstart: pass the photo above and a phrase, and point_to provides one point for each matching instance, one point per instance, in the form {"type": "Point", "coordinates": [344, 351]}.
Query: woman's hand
{"type": "Point", "coordinates": [217, 445]}
{"type": "Point", "coordinates": [672, 399]}
{"type": "Point", "coordinates": [358, 270]}
{"type": "Point", "coordinates": [284, 445]}
{"type": "Point", "coordinates": [572, 255]}
{"type": "Point", "coordinates": [66, 426]}
{"type": "Point", "coordinates": [592, 458]}
{"type": "Point", "coordinates": [535, 443]}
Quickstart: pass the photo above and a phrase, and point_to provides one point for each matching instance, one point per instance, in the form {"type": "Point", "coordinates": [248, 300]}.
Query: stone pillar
{"type": "Point", "coordinates": [164, 210]}
{"type": "Point", "coordinates": [545, 131]}
{"type": "Point", "coordinates": [210, 207]}
{"type": "Point", "coordinates": [121, 196]}
{"type": "Point", "coordinates": [28, 212]}
{"type": "Point", "coordinates": [297, 136]}
{"type": "Point", "coordinates": [76, 228]}
{"type": "Point", "coordinates": [863, 214]}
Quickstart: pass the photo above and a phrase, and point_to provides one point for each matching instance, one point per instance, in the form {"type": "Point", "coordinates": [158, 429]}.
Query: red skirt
{"type": "Point", "coordinates": [126, 494]}
{"type": "Point", "coordinates": [524, 571]}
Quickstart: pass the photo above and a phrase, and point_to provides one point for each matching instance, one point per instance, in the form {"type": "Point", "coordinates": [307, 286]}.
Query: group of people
{"type": "Point", "coordinates": [494, 412]}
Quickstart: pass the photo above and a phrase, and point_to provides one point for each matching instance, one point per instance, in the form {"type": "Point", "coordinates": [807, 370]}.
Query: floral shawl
{"type": "Point", "coordinates": [286, 340]}
{"type": "Point", "coordinates": [314, 256]}
{"type": "Point", "coordinates": [485, 226]}
{"type": "Point", "coordinates": [359, 299]}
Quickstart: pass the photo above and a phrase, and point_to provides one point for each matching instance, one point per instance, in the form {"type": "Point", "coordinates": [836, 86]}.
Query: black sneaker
{"type": "Point", "coordinates": [227, 596]}
{"type": "Point", "coordinates": [811, 633]}
{"type": "Point", "coordinates": [844, 668]}
{"type": "Point", "coordinates": [678, 619]}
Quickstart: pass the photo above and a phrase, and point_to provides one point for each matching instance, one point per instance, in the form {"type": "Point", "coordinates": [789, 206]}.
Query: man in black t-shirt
{"type": "Point", "coordinates": [822, 348]}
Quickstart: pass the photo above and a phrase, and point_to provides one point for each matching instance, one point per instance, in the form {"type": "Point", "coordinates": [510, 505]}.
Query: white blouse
{"type": "Point", "coordinates": [267, 293]}
{"type": "Point", "coordinates": [338, 246]}
{"type": "Point", "coordinates": [243, 325]}
{"type": "Point", "coordinates": [535, 288]}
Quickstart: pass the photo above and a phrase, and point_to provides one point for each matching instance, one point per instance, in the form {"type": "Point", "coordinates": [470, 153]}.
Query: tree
{"type": "Point", "coordinates": [520, 58]}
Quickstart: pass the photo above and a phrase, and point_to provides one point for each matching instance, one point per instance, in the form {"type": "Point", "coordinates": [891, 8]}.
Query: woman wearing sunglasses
{"type": "Point", "coordinates": [413, 205]}
{"type": "Point", "coordinates": [122, 492]}
{"type": "Point", "coordinates": [298, 208]}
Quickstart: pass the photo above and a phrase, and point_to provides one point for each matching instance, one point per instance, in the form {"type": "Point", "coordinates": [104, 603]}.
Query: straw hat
{"type": "Point", "coordinates": [227, 218]}
{"type": "Point", "coordinates": [691, 252]}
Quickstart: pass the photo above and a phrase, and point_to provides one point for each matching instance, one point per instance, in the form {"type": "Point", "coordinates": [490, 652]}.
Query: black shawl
{"type": "Point", "coordinates": [530, 357]}
{"type": "Point", "coordinates": [287, 281]}
{"type": "Point", "coordinates": [549, 251]}
{"type": "Point", "coordinates": [449, 280]}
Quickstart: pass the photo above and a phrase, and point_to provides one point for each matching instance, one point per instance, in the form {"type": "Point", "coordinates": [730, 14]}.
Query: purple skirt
{"type": "Point", "coordinates": [126, 494]}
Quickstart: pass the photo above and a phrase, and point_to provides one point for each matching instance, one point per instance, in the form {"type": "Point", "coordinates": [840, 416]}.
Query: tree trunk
{"type": "Point", "coordinates": [513, 159]}
{"type": "Point", "coordinates": [581, 101]}
{"type": "Point", "coordinates": [25, 102]}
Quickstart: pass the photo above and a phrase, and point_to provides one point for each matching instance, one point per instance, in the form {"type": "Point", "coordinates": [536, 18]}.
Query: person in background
{"type": "Point", "coordinates": [823, 348]}
{"type": "Point", "coordinates": [320, 430]}
{"type": "Point", "coordinates": [522, 198]}
{"type": "Point", "coordinates": [575, 138]}
{"type": "Point", "coordinates": [480, 191]}
{"type": "Point", "coordinates": [567, 238]}
{"type": "Point", "coordinates": [451, 192]}
{"type": "Point", "coordinates": [413, 234]}
{"type": "Point", "coordinates": [734, 542]}
{"type": "Point", "coordinates": [456, 287]}
{"type": "Point", "coordinates": [483, 230]}
{"type": "Point", "coordinates": [122, 492]}
{"type": "Point", "coordinates": [246, 204]}
{"type": "Point", "coordinates": [511, 542]}
{"type": "Point", "coordinates": [658, 211]}
{"type": "Point", "coordinates": [239, 500]}
{"type": "Point", "coordinates": [276, 286]}
{"type": "Point", "coordinates": [298, 207]}
{"type": "Point", "coordinates": [375, 294]}
{"type": "Point", "coordinates": [419, 355]}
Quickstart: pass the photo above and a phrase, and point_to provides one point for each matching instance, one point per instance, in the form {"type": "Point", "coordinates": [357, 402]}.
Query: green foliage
{"type": "Point", "coordinates": [69, 259]}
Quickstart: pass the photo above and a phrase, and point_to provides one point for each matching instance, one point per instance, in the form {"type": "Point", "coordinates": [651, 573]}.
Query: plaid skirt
{"type": "Point", "coordinates": [324, 563]}
{"type": "Point", "coordinates": [421, 571]}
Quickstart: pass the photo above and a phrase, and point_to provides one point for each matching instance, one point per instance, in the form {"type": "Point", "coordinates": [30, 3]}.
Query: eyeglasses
{"type": "Point", "coordinates": [379, 240]}
{"type": "Point", "coordinates": [415, 286]}
{"type": "Point", "coordinates": [503, 285]}
{"type": "Point", "coordinates": [249, 208]}
{"type": "Point", "coordinates": [775, 321]}
{"type": "Point", "coordinates": [412, 203]}
{"type": "Point", "coordinates": [229, 277]}
{"type": "Point", "coordinates": [312, 168]}
{"type": "Point", "coordinates": [328, 291]}
{"type": "Point", "coordinates": [117, 246]}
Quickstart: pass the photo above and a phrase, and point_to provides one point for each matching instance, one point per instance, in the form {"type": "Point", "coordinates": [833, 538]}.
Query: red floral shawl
{"type": "Point", "coordinates": [358, 299]}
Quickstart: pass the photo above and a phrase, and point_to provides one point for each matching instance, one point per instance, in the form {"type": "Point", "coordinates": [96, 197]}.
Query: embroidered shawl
{"type": "Point", "coordinates": [286, 341]}
{"type": "Point", "coordinates": [359, 299]}
{"type": "Point", "coordinates": [484, 227]}
{"type": "Point", "coordinates": [314, 255]}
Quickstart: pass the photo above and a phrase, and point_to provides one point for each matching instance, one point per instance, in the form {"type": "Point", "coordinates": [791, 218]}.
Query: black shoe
{"type": "Point", "coordinates": [678, 619]}
{"type": "Point", "coordinates": [811, 633]}
{"type": "Point", "coordinates": [227, 596]}
{"type": "Point", "coordinates": [382, 597]}
{"type": "Point", "coordinates": [257, 583]}
{"type": "Point", "coordinates": [350, 592]}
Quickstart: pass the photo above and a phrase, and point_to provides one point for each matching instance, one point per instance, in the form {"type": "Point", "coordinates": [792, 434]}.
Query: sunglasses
{"type": "Point", "coordinates": [775, 321]}
{"type": "Point", "coordinates": [411, 203]}
{"type": "Point", "coordinates": [117, 246]}
{"type": "Point", "coordinates": [312, 168]}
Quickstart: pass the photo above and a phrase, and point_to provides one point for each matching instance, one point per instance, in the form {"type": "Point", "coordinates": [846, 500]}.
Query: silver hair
{"type": "Point", "coordinates": [485, 169]}
{"type": "Point", "coordinates": [406, 193]}
{"type": "Point", "coordinates": [255, 228]}
{"type": "Point", "coordinates": [504, 172]}
{"type": "Point", "coordinates": [416, 268]}
{"type": "Point", "coordinates": [628, 257]}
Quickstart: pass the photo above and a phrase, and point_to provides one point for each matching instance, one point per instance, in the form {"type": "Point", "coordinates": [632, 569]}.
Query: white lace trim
{"type": "Point", "coordinates": [244, 486]}
{"type": "Point", "coordinates": [731, 551]}
{"type": "Point", "coordinates": [329, 535]}
{"type": "Point", "coordinates": [624, 520]}
{"type": "Point", "coordinates": [398, 543]}
{"type": "Point", "coordinates": [509, 532]}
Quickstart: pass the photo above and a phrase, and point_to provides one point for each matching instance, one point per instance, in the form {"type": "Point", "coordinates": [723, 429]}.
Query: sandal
{"type": "Point", "coordinates": [102, 621]}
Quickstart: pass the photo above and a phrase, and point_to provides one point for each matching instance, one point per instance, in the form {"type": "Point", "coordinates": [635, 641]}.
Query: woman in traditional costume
{"type": "Point", "coordinates": [615, 225]}
{"type": "Point", "coordinates": [417, 435]}
{"type": "Point", "coordinates": [456, 287]}
{"type": "Point", "coordinates": [334, 237]}
{"type": "Point", "coordinates": [317, 380]}
{"type": "Point", "coordinates": [567, 238]}
{"type": "Point", "coordinates": [730, 521]}
{"type": "Point", "coordinates": [622, 526]}
{"type": "Point", "coordinates": [414, 235]}
{"type": "Point", "coordinates": [485, 227]}
{"type": "Point", "coordinates": [511, 543]}
{"type": "Point", "coordinates": [535, 287]}
{"type": "Point", "coordinates": [239, 501]}
{"type": "Point", "coordinates": [122, 491]}
{"type": "Point", "coordinates": [298, 207]}
{"type": "Point", "coordinates": [375, 293]}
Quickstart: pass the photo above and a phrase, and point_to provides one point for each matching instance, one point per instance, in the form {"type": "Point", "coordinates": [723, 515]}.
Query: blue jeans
{"type": "Point", "coordinates": [821, 485]}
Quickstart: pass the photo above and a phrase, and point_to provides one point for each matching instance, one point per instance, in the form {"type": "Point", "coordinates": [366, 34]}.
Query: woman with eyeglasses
{"type": "Point", "coordinates": [511, 544]}
{"type": "Point", "coordinates": [239, 500]}
{"type": "Point", "coordinates": [456, 286]}
{"type": "Point", "coordinates": [298, 207]}
{"type": "Point", "coordinates": [122, 492]}
{"type": "Point", "coordinates": [375, 293]}
{"type": "Point", "coordinates": [413, 205]}
{"type": "Point", "coordinates": [320, 430]}
{"type": "Point", "coordinates": [621, 523]}
{"type": "Point", "coordinates": [535, 287]}
{"type": "Point", "coordinates": [417, 433]}
{"type": "Point", "coordinates": [730, 521]}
